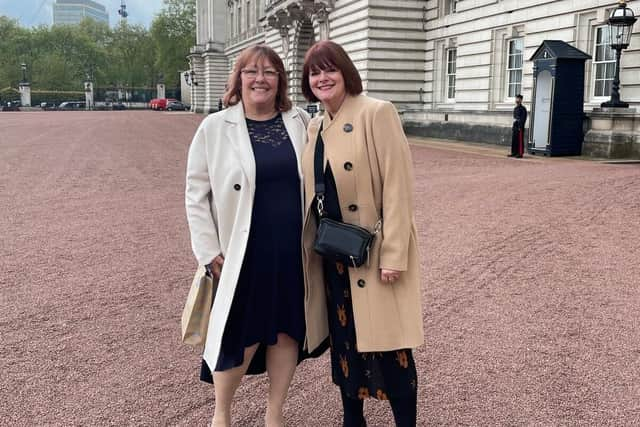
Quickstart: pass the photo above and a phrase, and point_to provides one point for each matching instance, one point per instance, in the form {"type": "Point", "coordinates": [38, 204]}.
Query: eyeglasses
{"type": "Point", "coordinates": [252, 73]}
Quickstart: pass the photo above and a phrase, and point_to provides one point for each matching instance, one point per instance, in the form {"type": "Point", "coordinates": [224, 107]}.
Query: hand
{"type": "Point", "coordinates": [216, 266]}
{"type": "Point", "coordinates": [389, 276]}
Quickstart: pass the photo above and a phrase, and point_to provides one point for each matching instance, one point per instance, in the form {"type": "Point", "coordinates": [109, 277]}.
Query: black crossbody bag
{"type": "Point", "coordinates": [335, 240]}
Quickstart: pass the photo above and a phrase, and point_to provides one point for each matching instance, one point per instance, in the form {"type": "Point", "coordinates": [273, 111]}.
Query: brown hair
{"type": "Point", "coordinates": [325, 55]}
{"type": "Point", "coordinates": [233, 93]}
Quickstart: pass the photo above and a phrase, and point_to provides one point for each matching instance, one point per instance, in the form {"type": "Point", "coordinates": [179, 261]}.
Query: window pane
{"type": "Point", "coordinates": [518, 46]}
{"type": "Point", "coordinates": [611, 70]}
{"type": "Point", "coordinates": [514, 67]}
{"type": "Point", "coordinates": [599, 32]}
{"type": "Point", "coordinates": [599, 90]}
{"type": "Point", "coordinates": [518, 61]}
{"type": "Point", "coordinates": [607, 87]}
{"type": "Point", "coordinates": [600, 68]}
{"type": "Point", "coordinates": [599, 53]}
{"type": "Point", "coordinates": [515, 76]}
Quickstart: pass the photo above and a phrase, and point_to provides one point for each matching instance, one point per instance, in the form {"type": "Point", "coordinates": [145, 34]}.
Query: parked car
{"type": "Point", "coordinates": [72, 105]}
{"type": "Point", "coordinates": [160, 103]}
{"type": "Point", "coordinates": [11, 106]}
{"type": "Point", "coordinates": [177, 106]}
{"type": "Point", "coordinates": [118, 106]}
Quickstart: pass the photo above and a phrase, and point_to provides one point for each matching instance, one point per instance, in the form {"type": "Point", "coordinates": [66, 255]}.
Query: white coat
{"type": "Point", "coordinates": [221, 175]}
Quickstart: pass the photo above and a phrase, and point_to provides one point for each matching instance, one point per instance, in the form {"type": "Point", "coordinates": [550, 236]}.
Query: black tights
{"type": "Point", "coordinates": [404, 411]}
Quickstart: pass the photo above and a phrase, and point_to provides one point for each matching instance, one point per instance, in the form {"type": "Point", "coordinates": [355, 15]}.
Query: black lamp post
{"type": "Point", "coordinates": [23, 66]}
{"type": "Point", "coordinates": [620, 28]}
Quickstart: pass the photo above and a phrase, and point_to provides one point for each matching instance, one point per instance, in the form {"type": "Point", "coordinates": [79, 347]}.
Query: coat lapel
{"type": "Point", "coordinates": [297, 133]}
{"type": "Point", "coordinates": [238, 136]}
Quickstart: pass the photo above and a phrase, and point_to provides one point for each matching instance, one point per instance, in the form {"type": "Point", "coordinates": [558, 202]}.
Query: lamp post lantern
{"type": "Point", "coordinates": [621, 23]}
{"type": "Point", "coordinates": [23, 66]}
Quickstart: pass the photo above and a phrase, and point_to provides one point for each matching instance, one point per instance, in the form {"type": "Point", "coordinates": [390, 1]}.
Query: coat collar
{"type": "Point", "coordinates": [238, 135]}
{"type": "Point", "coordinates": [347, 105]}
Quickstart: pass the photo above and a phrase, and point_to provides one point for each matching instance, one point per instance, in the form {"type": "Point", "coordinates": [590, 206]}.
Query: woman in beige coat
{"type": "Point", "coordinates": [373, 313]}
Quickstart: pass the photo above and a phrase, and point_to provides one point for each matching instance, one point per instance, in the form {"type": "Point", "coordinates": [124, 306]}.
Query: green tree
{"type": "Point", "coordinates": [60, 57]}
{"type": "Point", "coordinates": [131, 52]}
{"type": "Point", "coordinates": [12, 47]}
{"type": "Point", "coordinates": [174, 33]}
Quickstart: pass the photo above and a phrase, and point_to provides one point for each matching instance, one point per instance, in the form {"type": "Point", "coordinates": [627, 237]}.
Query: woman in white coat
{"type": "Point", "coordinates": [244, 208]}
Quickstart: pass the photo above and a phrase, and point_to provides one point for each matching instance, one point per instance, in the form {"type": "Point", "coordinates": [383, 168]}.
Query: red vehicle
{"type": "Point", "coordinates": [160, 103]}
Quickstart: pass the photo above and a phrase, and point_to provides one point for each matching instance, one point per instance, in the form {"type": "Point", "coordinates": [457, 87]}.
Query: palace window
{"type": "Point", "coordinates": [515, 53]}
{"type": "Point", "coordinates": [604, 63]}
{"type": "Point", "coordinates": [450, 6]}
{"type": "Point", "coordinates": [451, 74]}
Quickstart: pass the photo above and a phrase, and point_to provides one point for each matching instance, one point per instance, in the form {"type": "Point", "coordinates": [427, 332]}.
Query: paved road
{"type": "Point", "coordinates": [531, 284]}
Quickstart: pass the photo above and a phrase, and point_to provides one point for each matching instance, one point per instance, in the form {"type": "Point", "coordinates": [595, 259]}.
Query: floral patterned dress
{"type": "Point", "coordinates": [381, 375]}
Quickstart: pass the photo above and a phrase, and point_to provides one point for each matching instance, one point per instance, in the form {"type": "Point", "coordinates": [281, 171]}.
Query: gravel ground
{"type": "Point", "coordinates": [531, 277]}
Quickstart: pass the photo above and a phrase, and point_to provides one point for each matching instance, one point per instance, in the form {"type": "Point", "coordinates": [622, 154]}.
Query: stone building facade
{"type": "Point", "coordinates": [452, 67]}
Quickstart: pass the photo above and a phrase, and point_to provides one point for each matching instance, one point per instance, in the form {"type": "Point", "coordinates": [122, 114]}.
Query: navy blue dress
{"type": "Point", "coordinates": [269, 297]}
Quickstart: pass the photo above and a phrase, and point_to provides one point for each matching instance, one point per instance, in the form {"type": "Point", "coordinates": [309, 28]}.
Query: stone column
{"type": "Point", "coordinates": [284, 34]}
{"type": "Point", "coordinates": [160, 88]}
{"type": "Point", "coordinates": [25, 94]}
{"type": "Point", "coordinates": [614, 134]}
{"type": "Point", "coordinates": [197, 80]}
{"type": "Point", "coordinates": [321, 17]}
{"type": "Point", "coordinates": [88, 95]}
{"type": "Point", "coordinates": [216, 70]}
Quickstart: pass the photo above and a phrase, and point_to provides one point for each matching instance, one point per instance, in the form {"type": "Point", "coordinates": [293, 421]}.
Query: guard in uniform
{"type": "Point", "coordinates": [517, 132]}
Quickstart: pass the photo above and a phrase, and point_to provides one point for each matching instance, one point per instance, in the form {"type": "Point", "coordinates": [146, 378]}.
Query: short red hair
{"type": "Point", "coordinates": [258, 53]}
{"type": "Point", "coordinates": [325, 55]}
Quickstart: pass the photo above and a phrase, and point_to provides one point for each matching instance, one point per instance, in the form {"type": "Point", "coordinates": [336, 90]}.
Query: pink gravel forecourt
{"type": "Point", "coordinates": [531, 284]}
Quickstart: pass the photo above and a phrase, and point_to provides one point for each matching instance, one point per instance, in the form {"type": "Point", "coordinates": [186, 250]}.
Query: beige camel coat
{"type": "Point", "coordinates": [371, 162]}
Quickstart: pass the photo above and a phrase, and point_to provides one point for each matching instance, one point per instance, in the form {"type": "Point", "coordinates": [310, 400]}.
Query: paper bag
{"type": "Point", "coordinates": [195, 316]}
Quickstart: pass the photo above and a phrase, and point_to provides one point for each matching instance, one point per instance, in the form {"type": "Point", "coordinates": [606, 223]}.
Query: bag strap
{"type": "Point", "coordinates": [318, 163]}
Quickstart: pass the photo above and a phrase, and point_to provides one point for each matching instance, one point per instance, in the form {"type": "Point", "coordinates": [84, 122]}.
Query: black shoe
{"type": "Point", "coordinates": [519, 156]}
{"type": "Point", "coordinates": [511, 155]}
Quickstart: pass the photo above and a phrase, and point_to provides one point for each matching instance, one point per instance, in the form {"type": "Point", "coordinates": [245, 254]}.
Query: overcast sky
{"type": "Point", "coordinates": [36, 12]}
